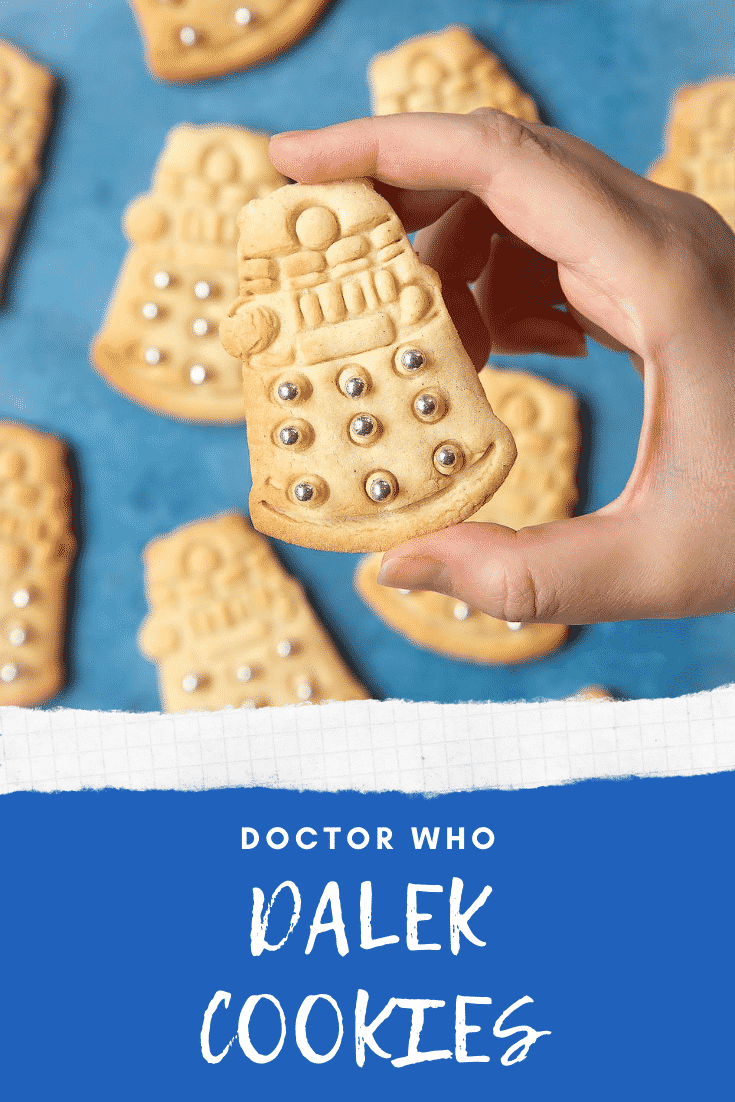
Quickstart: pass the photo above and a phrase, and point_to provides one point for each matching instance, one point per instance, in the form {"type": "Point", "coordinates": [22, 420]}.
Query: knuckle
{"type": "Point", "coordinates": [692, 226]}
{"type": "Point", "coordinates": [697, 247]}
{"type": "Point", "coordinates": [524, 599]}
{"type": "Point", "coordinates": [495, 127]}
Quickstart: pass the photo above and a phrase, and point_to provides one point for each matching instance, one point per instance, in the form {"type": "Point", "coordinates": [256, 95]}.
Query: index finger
{"type": "Point", "coordinates": [416, 151]}
{"type": "Point", "coordinates": [551, 190]}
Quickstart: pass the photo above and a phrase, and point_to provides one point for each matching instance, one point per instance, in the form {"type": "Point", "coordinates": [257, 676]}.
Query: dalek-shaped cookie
{"type": "Point", "coordinates": [159, 343]}
{"type": "Point", "coordinates": [449, 72]}
{"type": "Point", "coordinates": [228, 625]}
{"type": "Point", "coordinates": [37, 547]}
{"type": "Point", "coordinates": [540, 488]}
{"type": "Point", "coordinates": [194, 39]}
{"type": "Point", "coordinates": [700, 140]}
{"type": "Point", "coordinates": [25, 105]}
{"type": "Point", "coordinates": [366, 422]}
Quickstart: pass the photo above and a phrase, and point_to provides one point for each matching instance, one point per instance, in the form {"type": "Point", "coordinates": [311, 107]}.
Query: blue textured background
{"type": "Point", "coordinates": [604, 70]}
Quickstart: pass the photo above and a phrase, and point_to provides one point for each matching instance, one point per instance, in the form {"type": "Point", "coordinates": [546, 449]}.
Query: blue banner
{"type": "Point", "coordinates": [571, 943]}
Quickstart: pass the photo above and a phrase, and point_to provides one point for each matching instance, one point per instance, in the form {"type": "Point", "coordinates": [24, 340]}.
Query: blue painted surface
{"type": "Point", "coordinates": [603, 70]}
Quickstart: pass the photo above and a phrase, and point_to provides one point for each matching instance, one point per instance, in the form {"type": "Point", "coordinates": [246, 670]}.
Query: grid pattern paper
{"type": "Point", "coordinates": [369, 746]}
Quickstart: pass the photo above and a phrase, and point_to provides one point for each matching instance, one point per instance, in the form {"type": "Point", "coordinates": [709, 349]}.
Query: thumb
{"type": "Point", "coordinates": [590, 569]}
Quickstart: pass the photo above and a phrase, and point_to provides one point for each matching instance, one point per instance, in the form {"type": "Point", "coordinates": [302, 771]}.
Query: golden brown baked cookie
{"type": "Point", "coordinates": [592, 693]}
{"type": "Point", "coordinates": [25, 108]}
{"type": "Point", "coordinates": [366, 422]}
{"type": "Point", "coordinates": [159, 342]}
{"type": "Point", "coordinates": [37, 547]}
{"type": "Point", "coordinates": [449, 71]}
{"type": "Point", "coordinates": [541, 487]}
{"type": "Point", "coordinates": [195, 39]}
{"type": "Point", "coordinates": [228, 625]}
{"type": "Point", "coordinates": [699, 154]}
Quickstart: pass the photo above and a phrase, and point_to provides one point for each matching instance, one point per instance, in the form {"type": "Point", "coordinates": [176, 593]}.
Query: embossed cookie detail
{"type": "Point", "coordinates": [541, 487]}
{"type": "Point", "coordinates": [159, 341]}
{"type": "Point", "coordinates": [25, 105]}
{"type": "Point", "coordinates": [449, 72]}
{"type": "Point", "coordinates": [366, 422]}
{"type": "Point", "coordinates": [36, 551]}
{"type": "Point", "coordinates": [699, 145]}
{"type": "Point", "coordinates": [228, 626]}
{"type": "Point", "coordinates": [194, 39]}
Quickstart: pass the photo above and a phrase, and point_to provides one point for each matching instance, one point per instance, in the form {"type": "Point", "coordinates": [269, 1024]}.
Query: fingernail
{"type": "Point", "coordinates": [290, 134]}
{"type": "Point", "coordinates": [413, 573]}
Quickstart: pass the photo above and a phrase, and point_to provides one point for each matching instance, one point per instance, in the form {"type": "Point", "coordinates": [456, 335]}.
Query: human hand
{"type": "Point", "coordinates": [536, 219]}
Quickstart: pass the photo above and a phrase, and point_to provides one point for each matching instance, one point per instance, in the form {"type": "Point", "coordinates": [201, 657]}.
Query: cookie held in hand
{"type": "Point", "coordinates": [366, 422]}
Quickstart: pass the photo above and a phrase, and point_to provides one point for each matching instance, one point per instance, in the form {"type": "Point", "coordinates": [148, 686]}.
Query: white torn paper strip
{"type": "Point", "coordinates": [369, 746]}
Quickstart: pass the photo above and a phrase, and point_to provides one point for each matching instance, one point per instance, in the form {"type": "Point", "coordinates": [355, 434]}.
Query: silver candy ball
{"type": "Point", "coordinates": [198, 374]}
{"type": "Point", "coordinates": [426, 405]}
{"type": "Point", "coordinates": [303, 491]}
{"type": "Point", "coordinates": [412, 359]}
{"type": "Point", "coordinates": [514, 625]}
{"type": "Point", "coordinates": [244, 673]}
{"type": "Point", "coordinates": [200, 327]}
{"type": "Point", "coordinates": [202, 289]}
{"type": "Point", "coordinates": [461, 611]}
{"type": "Point", "coordinates": [288, 392]}
{"type": "Point", "coordinates": [188, 36]}
{"type": "Point", "coordinates": [9, 672]}
{"type": "Point", "coordinates": [162, 280]}
{"type": "Point", "coordinates": [17, 637]}
{"type": "Point", "coordinates": [21, 598]}
{"type": "Point", "coordinates": [355, 387]}
{"type": "Point", "coordinates": [243, 16]}
{"type": "Point", "coordinates": [380, 489]}
{"type": "Point", "coordinates": [190, 683]}
{"type": "Point", "coordinates": [446, 459]}
{"type": "Point", "coordinates": [284, 648]}
{"type": "Point", "coordinates": [153, 356]}
{"type": "Point", "coordinates": [150, 311]}
{"type": "Point", "coordinates": [363, 425]}
{"type": "Point", "coordinates": [304, 689]}
{"type": "Point", "coordinates": [289, 436]}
